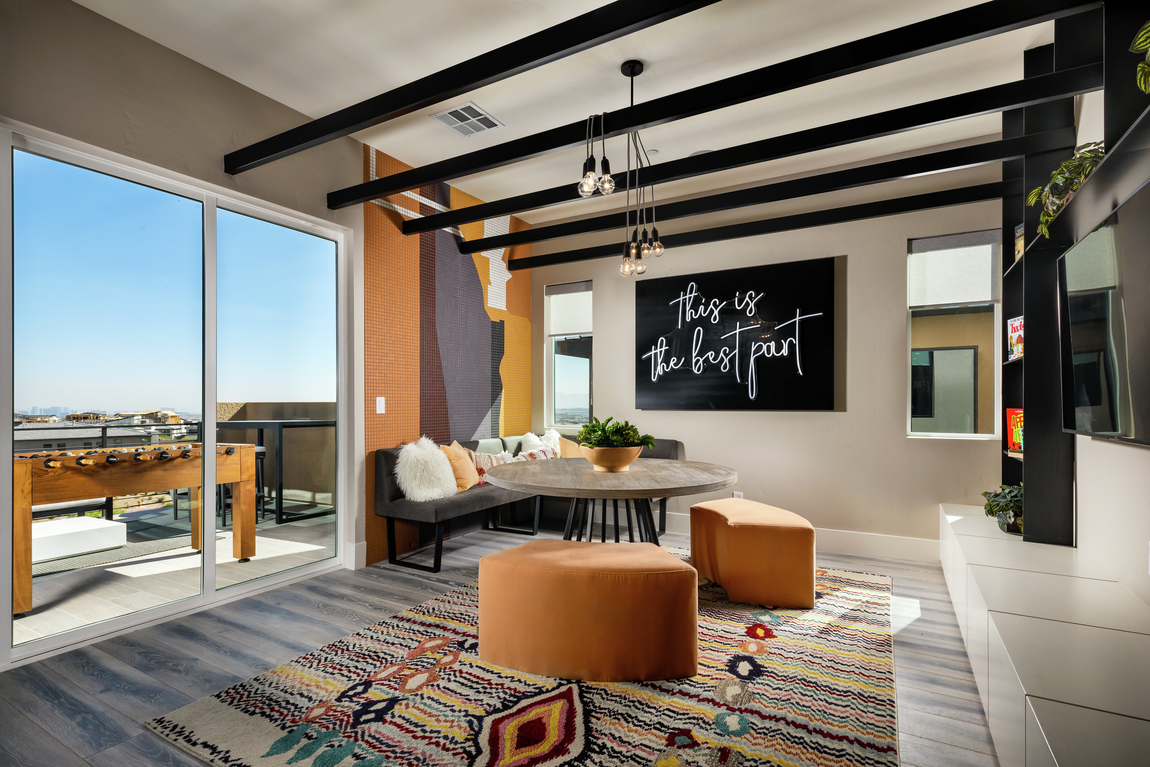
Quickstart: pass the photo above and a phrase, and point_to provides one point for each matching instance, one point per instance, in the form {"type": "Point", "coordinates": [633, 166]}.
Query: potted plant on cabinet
{"type": "Point", "coordinates": [612, 445]}
{"type": "Point", "coordinates": [1006, 506]}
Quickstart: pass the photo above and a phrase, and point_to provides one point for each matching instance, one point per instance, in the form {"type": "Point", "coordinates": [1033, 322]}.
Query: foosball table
{"type": "Point", "coordinates": [62, 476]}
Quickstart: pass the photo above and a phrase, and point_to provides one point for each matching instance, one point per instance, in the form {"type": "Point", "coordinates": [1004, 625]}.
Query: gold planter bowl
{"type": "Point", "coordinates": [611, 458]}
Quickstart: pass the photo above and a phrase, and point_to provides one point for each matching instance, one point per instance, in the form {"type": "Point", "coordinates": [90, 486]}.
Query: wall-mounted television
{"type": "Point", "coordinates": [1104, 311]}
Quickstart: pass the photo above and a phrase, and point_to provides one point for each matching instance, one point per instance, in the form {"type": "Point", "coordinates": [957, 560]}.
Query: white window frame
{"type": "Point", "coordinates": [349, 450]}
{"type": "Point", "coordinates": [549, 362]}
{"type": "Point", "coordinates": [997, 434]}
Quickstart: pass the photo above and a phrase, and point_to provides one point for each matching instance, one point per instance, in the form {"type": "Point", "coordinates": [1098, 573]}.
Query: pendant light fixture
{"type": "Point", "coordinates": [590, 182]}
{"type": "Point", "coordinates": [637, 248]}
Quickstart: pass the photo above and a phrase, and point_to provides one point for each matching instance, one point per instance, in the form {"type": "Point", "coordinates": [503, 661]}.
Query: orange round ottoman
{"type": "Point", "coordinates": [760, 554]}
{"type": "Point", "coordinates": [599, 612]}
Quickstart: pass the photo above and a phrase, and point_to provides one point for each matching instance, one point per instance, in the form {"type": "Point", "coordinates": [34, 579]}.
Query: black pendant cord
{"type": "Point", "coordinates": [603, 134]}
{"type": "Point", "coordinates": [644, 148]}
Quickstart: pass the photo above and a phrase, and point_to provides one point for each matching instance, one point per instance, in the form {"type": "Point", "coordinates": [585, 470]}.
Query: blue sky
{"type": "Point", "coordinates": [108, 298]}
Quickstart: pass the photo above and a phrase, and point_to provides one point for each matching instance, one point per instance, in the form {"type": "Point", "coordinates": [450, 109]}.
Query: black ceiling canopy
{"type": "Point", "coordinates": [997, 98]}
{"type": "Point", "coordinates": [943, 199]}
{"type": "Point", "coordinates": [977, 22]}
{"type": "Point", "coordinates": [578, 34]}
{"type": "Point", "coordinates": [935, 162]}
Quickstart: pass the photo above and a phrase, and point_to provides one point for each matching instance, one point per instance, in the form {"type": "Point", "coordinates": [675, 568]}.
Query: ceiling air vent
{"type": "Point", "coordinates": [468, 119]}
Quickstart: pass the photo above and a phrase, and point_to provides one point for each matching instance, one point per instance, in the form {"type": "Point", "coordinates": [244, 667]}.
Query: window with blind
{"type": "Point", "coordinates": [953, 317]}
{"type": "Point", "coordinates": [567, 316]}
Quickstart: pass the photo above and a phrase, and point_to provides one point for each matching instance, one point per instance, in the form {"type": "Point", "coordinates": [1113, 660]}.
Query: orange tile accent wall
{"type": "Point", "coordinates": [392, 357]}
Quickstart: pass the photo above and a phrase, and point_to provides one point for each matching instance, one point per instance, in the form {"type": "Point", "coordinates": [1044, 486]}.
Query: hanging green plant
{"type": "Point", "coordinates": [1064, 182]}
{"type": "Point", "coordinates": [1141, 44]}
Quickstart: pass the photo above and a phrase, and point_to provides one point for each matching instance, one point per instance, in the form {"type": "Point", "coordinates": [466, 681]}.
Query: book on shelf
{"type": "Point", "coordinates": [1014, 429]}
{"type": "Point", "coordinates": [1014, 338]}
{"type": "Point", "coordinates": [1019, 241]}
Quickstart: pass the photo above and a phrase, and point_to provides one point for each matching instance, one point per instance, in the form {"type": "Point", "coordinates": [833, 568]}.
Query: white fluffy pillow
{"type": "Point", "coordinates": [423, 471]}
{"type": "Point", "coordinates": [550, 439]}
{"type": "Point", "coordinates": [531, 442]}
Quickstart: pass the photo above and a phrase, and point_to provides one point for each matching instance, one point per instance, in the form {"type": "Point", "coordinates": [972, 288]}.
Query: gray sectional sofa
{"type": "Point", "coordinates": [391, 504]}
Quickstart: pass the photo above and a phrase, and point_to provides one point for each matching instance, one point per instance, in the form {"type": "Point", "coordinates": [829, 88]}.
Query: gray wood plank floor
{"type": "Point", "coordinates": [87, 707]}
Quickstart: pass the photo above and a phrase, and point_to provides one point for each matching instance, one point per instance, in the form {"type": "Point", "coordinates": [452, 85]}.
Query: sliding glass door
{"type": "Point", "coordinates": [277, 375]}
{"type": "Point", "coordinates": [145, 312]}
{"type": "Point", "coordinates": [107, 373]}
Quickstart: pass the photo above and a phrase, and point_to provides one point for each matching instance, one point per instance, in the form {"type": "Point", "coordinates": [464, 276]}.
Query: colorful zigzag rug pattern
{"type": "Point", "coordinates": [778, 687]}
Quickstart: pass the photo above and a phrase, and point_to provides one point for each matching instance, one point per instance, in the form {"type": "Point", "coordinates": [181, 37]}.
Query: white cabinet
{"type": "Point", "coordinates": [1059, 649]}
{"type": "Point", "coordinates": [1061, 735]}
{"type": "Point", "coordinates": [1006, 712]}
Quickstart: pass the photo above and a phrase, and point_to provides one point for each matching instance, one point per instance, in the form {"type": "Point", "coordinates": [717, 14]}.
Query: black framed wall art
{"type": "Point", "coordinates": [769, 337]}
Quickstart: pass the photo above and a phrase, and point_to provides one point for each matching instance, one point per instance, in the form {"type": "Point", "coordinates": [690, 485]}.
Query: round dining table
{"type": "Point", "coordinates": [645, 479]}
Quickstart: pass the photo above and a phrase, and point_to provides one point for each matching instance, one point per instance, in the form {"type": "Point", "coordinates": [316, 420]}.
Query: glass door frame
{"type": "Point", "coordinates": [349, 497]}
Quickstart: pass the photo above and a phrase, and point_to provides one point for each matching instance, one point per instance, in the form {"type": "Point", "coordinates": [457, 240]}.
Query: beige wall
{"type": "Point", "coordinates": [73, 72]}
{"type": "Point", "coordinates": [1113, 488]}
{"type": "Point", "coordinates": [855, 470]}
{"type": "Point", "coordinates": [964, 330]}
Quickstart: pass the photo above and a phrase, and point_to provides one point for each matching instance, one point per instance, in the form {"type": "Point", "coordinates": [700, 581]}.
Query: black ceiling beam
{"type": "Point", "coordinates": [941, 32]}
{"type": "Point", "coordinates": [578, 34]}
{"type": "Point", "coordinates": [928, 201]}
{"type": "Point", "coordinates": [994, 99]}
{"type": "Point", "coordinates": [892, 170]}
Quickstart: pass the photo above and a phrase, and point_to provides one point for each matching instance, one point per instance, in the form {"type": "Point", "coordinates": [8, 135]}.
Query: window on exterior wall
{"type": "Point", "coordinates": [567, 315]}
{"type": "Point", "coordinates": [953, 317]}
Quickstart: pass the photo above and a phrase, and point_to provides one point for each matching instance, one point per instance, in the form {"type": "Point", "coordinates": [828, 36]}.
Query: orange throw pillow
{"type": "Point", "coordinates": [462, 466]}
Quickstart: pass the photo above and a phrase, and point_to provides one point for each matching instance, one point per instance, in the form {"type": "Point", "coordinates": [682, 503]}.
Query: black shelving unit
{"type": "Point", "coordinates": [1030, 284]}
{"type": "Point", "coordinates": [1029, 290]}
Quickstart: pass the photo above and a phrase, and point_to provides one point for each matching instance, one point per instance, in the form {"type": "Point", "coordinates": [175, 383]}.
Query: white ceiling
{"type": "Point", "coordinates": [318, 56]}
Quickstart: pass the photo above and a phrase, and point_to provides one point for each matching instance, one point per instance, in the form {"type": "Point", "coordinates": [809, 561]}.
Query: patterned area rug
{"type": "Point", "coordinates": [778, 687]}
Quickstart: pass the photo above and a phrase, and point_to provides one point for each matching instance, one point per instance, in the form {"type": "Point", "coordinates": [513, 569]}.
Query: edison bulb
{"type": "Point", "coordinates": [645, 250]}
{"type": "Point", "coordinates": [606, 185]}
{"type": "Point", "coordinates": [588, 185]}
{"type": "Point", "coordinates": [627, 267]}
{"type": "Point", "coordinates": [640, 266]}
{"type": "Point", "coordinates": [658, 248]}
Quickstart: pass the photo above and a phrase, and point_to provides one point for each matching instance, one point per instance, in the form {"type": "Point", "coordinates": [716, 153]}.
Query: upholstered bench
{"type": "Point", "coordinates": [760, 554]}
{"type": "Point", "coordinates": [602, 612]}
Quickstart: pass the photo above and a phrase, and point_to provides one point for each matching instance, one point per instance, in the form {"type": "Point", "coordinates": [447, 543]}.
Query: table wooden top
{"type": "Point", "coordinates": [646, 478]}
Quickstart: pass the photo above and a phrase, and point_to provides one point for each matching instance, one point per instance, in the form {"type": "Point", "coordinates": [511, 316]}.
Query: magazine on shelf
{"type": "Point", "coordinates": [1014, 429]}
{"type": "Point", "coordinates": [1014, 338]}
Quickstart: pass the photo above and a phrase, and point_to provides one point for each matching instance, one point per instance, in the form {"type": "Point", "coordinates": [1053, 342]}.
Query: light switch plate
{"type": "Point", "coordinates": [380, 407]}
{"type": "Point", "coordinates": [736, 494]}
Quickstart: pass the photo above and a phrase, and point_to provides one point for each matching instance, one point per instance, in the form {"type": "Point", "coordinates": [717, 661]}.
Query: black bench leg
{"type": "Point", "coordinates": [108, 512]}
{"type": "Point", "coordinates": [662, 515]}
{"type": "Point", "coordinates": [394, 560]}
{"type": "Point", "coordinates": [493, 514]}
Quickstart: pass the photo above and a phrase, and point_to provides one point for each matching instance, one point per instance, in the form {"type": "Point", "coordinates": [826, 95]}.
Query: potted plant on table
{"type": "Point", "coordinates": [1006, 506]}
{"type": "Point", "coordinates": [612, 445]}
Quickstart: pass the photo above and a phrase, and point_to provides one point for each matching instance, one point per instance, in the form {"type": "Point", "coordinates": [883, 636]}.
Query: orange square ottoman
{"type": "Point", "coordinates": [760, 554]}
{"type": "Point", "coordinates": [598, 612]}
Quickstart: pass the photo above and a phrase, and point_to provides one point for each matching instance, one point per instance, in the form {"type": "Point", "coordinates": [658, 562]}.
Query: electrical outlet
{"type": "Point", "coordinates": [736, 494]}
{"type": "Point", "coordinates": [380, 406]}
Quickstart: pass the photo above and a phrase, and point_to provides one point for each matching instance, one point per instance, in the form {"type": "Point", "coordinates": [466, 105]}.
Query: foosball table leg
{"type": "Point", "coordinates": [21, 538]}
{"type": "Point", "coordinates": [196, 506]}
{"type": "Point", "coordinates": [244, 520]}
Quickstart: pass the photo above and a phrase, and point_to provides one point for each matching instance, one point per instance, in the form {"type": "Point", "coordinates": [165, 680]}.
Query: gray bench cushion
{"type": "Point", "coordinates": [390, 501]}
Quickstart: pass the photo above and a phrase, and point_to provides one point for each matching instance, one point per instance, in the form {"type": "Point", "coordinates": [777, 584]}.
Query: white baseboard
{"type": "Point", "coordinates": [849, 542]}
{"type": "Point", "coordinates": [876, 545]}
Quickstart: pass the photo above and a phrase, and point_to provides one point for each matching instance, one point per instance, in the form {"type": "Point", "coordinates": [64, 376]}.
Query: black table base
{"type": "Point", "coordinates": [581, 518]}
